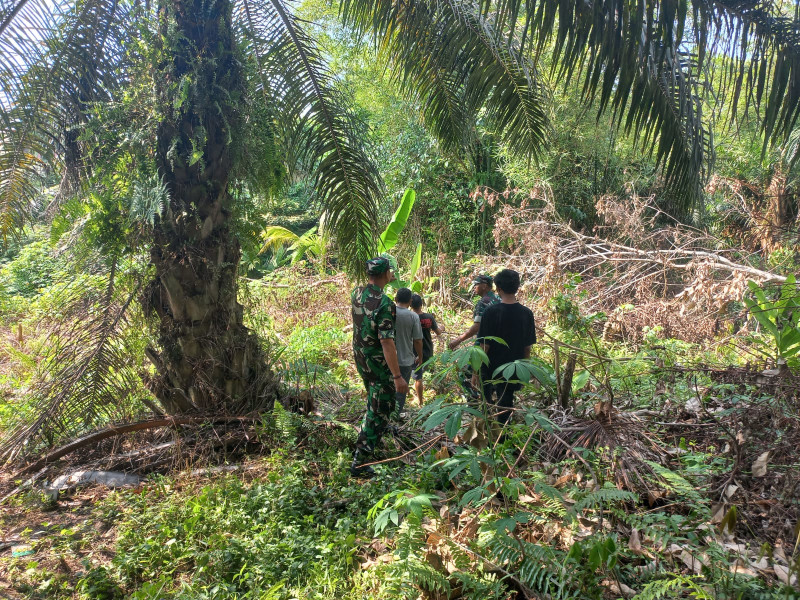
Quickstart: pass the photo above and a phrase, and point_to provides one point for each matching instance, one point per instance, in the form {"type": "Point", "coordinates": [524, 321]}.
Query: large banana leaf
{"type": "Point", "coordinates": [415, 262]}
{"type": "Point", "coordinates": [392, 233]}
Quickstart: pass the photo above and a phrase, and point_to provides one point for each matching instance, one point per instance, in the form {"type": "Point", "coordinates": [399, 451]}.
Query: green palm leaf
{"type": "Point", "coordinates": [85, 377]}
{"type": "Point", "coordinates": [275, 236]}
{"type": "Point", "coordinates": [644, 60]}
{"type": "Point", "coordinates": [48, 82]}
{"type": "Point", "coordinates": [312, 117]}
{"type": "Point", "coordinates": [455, 60]}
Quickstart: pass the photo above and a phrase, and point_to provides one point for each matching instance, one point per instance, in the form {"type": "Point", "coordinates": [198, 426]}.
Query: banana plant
{"type": "Point", "coordinates": [780, 318]}
{"type": "Point", "coordinates": [391, 234]}
{"type": "Point", "coordinates": [390, 237]}
{"type": "Point", "coordinates": [410, 282]}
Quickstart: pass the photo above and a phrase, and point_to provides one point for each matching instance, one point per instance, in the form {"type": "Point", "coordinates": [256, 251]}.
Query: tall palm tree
{"type": "Point", "coordinates": [184, 104]}
{"type": "Point", "coordinates": [219, 71]}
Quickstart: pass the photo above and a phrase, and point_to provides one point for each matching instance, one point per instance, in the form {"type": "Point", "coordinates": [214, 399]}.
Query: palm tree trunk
{"type": "Point", "coordinates": [208, 360]}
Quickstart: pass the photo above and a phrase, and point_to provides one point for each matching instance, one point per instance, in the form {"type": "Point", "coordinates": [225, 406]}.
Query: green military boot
{"type": "Point", "coordinates": [358, 468]}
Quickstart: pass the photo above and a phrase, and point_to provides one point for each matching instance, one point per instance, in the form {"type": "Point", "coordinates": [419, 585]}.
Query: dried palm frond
{"type": "Point", "coordinates": [631, 446]}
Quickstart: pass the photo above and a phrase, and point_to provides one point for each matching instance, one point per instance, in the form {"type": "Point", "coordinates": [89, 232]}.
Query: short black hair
{"type": "Point", "coordinates": [507, 280]}
{"type": "Point", "coordinates": [403, 296]}
{"type": "Point", "coordinates": [416, 301]}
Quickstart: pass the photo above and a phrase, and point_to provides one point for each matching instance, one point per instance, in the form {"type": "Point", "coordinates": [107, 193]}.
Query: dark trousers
{"type": "Point", "coordinates": [400, 399]}
{"type": "Point", "coordinates": [501, 395]}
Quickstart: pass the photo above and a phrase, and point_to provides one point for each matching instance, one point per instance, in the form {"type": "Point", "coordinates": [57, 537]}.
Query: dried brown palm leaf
{"type": "Point", "coordinates": [630, 446]}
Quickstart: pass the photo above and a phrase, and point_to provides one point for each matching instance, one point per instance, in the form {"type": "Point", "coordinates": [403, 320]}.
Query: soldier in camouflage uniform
{"type": "Point", "coordinates": [376, 358]}
{"type": "Point", "coordinates": [481, 286]}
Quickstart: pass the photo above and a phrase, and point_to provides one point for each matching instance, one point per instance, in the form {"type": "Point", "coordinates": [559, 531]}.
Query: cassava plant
{"type": "Point", "coordinates": [780, 319]}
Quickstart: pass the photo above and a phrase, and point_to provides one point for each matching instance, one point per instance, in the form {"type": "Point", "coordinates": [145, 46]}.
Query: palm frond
{"type": "Point", "coordinates": [58, 59]}
{"type": "Point", "coordinates": [665, 111]}
{"type": "Point", "coordinates": [275, 236]}
{"type": "Point", "coordinates": [316, 127]}
{"type": "Point", "coordinates": [758, 42]}
{"type": "Point", "coordinates": [629, 59]}
{"type": "Point", "coordinates": [791, 149]}
{"type": "Point", "coordinates": [310, 244]}
{"type": "Point", "coordinates": [86, 376]}
{"type": "Point", "coordinates": [455, 59]}
{"type": "Point", "coordinates": [643, 60]}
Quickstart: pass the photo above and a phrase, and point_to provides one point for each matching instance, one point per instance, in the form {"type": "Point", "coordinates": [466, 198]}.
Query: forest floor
{"type": "Point", "coordinates": [673, 475]}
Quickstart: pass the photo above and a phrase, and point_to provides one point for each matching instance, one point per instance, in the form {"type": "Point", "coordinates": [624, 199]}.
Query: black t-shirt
{"type": "Point", "coordinates": [512, 323]}
{"type": "Point", "coordinates": [428, 322]}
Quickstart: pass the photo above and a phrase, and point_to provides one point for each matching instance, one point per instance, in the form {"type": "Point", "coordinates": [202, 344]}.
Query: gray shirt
{"type": "Point", "coordinates": [407, 329]}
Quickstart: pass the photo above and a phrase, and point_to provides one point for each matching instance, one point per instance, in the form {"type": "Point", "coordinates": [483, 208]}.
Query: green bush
{"type": "Point", "coordinates": [317, 344]}
{"type": "Point", "coordinates": [277, 538]}
{"type": "Point", "coordinates": [30, 271]}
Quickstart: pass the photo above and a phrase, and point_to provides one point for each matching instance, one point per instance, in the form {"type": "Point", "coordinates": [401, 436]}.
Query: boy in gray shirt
{"type": "Point", "coordinates": [408, 339]}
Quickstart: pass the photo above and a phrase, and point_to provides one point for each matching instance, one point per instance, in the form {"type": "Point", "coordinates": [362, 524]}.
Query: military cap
{"type": "Point", "coordinates": [478, 279]}
{"type": "Point", "coordinates": [380, 264]}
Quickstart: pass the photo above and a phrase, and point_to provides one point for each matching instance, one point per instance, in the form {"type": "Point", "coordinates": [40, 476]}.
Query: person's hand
{"type": "Point", "coordinates": [453, 344]}
{"type": "Point", "coordinates": [401, 385]}
{"type": "Point", "coordinates": [475, 380]}
{"type": "Point", "coordinates": [418, 361]}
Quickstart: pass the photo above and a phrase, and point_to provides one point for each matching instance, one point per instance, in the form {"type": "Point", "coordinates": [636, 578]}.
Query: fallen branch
{"type": "Point", "coordinates": [113, 431]}
{"type": "Point", "coordinates": [425, 445]}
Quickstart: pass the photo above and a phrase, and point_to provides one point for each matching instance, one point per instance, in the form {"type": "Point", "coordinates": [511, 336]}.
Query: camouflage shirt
{"type": "Point", "coordinates": [373, 320]}
{"type": "Point", "coordinates": [481, 305]}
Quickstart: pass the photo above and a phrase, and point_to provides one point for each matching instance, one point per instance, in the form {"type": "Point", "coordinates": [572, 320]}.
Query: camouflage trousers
{"type": "Point", "coordinates": [380, 405]}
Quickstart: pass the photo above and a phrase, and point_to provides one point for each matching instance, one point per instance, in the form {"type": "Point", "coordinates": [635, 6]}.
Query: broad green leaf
{"type": "Point", "coordinates": [453, 425]}
{"type": "Point", "coordinates": [765, 317]}
{"type": "Point", "coordinates": [415, 262]}
{"type": "Point", "coordinates": [440, 416]}
{"type": "Point", "coordinates": [473, 497]}
{"type": "Point", "coordinates": [391, 235]}
{"type": "Point", "coordinates": [475, 469]}
{"type": "Point", "coordinates": [757, 292]}
{"type": "Point", "coordinates": [478, 358]}
{"type": "Point", "coordinates": [579, 381]}
{"type": "Point", "coordinates": [420, 502]}
{"type": "Point", "coordinates": [508, 370]}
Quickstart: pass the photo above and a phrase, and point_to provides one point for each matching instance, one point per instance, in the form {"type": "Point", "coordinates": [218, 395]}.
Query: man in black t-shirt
{"type": "Point", "coordinates": [514, 324]}
{"type": "Point", "coordinates": [428, 322]}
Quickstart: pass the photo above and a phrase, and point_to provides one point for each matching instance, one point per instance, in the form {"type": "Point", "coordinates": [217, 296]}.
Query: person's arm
{"type": "Point", "coordinates": [435, 327]}
{"type": "Point", "coordinates": [465, 336]}
{"type": "Point", "coordinates": [531, 337]}
{"type": "Point", "coordinates": [416, 337]}
{"type": "Point", "coordinates": [483, 331]}
{"type": "Point", "coordinates": [390, 354]}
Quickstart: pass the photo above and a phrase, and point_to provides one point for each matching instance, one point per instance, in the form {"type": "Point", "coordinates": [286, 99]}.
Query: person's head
{"type": "Point", "coordinates": [403, 296]}
{"type": "Point", "coordinates": [380, 270]}
{"type": "Point", "coordinates": [481, 284]}
{"type": "Point", "coordinates": [507, 281]}
{"type": "Point", "coordinates": [416, 303]}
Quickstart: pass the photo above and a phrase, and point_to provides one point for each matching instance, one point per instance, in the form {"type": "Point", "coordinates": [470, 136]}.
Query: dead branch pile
{"type": "Point", "coordinates": [610, 430]}
{"type": "Point", "coordinates": [673, 276]}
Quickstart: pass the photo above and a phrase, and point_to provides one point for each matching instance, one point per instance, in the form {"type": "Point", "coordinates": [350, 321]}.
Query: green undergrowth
{"type": "Point", "coordinates": [291, 534]}
{"type": "Point", "coordinates": [295, 531]}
